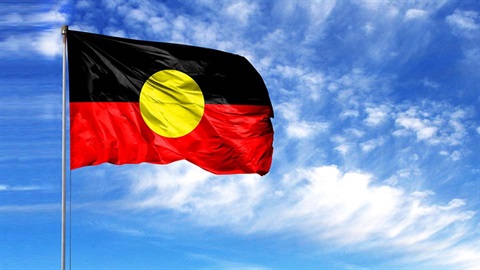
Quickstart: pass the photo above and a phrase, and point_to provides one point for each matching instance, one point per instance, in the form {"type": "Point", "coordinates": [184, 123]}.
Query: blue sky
{"type": "Point", "coordinates": [377, 131]}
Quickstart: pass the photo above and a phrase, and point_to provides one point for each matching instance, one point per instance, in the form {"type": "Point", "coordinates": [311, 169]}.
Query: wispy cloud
{"type": "Point", "coordinates": [191, 191]}
{"type": "Point", "coordinates": [29, 208]}
{"type": "Point", "coordinates": [47, 43]}
{"type": "Point", "coordinates": [305, 129]}
{"type": "Point", "coordinates": [372, 144]}
{"type": "Point", "coordinates": [466, 25]}
{"type": "Point", "coordinates": [43, 37]}
{"type": "Point", "coordinates": [226, 264]}
{"type": "Point", "coordinates": [323, 203]}
{"type": "Point", "coordinates": [19, 188]}
{"type": "Point", "coordinates": [43, 107]}
{"type": "Point", "coordinates": [32, 18]}
{"type": "Point", "coordinates": [464, 21]}
{"type": "Point", "coordinates": [295, 126]}
{"type": "Point", "coordinates": [415, 14]}
{"type": "Point", "coordinates": [434, 123]}
{"type": "Point", "coordinates": [376, 115]}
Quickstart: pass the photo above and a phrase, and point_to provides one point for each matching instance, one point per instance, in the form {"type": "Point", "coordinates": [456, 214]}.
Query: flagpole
{"type": "Point", "coordinates": [64, 145]}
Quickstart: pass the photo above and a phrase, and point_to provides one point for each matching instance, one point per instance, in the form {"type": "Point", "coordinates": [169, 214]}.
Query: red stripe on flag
{"type": "Point", "coordinates": [229, 139]}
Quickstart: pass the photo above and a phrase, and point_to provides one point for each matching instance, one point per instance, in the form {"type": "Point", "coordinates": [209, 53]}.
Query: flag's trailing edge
{"type": "Point", "coordinates": [134, 101]}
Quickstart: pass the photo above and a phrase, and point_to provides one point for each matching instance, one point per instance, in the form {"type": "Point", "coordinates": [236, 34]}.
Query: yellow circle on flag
{"type": "Point", "coordinates": [171, 103]}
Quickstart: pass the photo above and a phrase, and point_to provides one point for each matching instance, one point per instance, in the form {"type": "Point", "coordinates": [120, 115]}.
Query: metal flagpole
{"type": "Point", "coordinates": [64, 144]}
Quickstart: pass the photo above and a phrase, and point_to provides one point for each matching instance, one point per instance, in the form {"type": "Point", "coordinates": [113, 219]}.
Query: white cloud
{"type": "Point", "coordinates": [426, 133]}
{"type": "Point", "coordinates": [241, 11]}
{"type": "Point", "coordinates": [352, 90]}
{"type": "Point", "coordinates": [306, 81]}
{"type": "Point", "coordinates": [372, 144]}
{"type": "Point", "coordinates": [394, 8]}
{"type": "Point", "coordinates": [296, 127]}
{"type": "Point", "coordinates": [466, 24]}
{"type": "Point", "coordinates": [209, 199]}
{"type": "Point", "coordinates": [349, 113]}
{"type": "Point", "coordinates": [315, 11]}
{"type": "Point", "coordinates": [114, 32]}
{"type": "Point", "coordinates": [305, 129]}
{"type": "Point", "coordinates": [436, 124]}
{"type": "Point", "coordinates": [138, 15]}
{"type": "Point", "coordinates": [456, 155]}
{"type": "Point", "coordinates": [376, 115]}
{"type": "Point", "coordinates": [158, 25]}
{"type": "Point", "coordinates": [464, 20]}
{"type": "Point", "coordinates": [289, 110]}
{"type": "Point", "coordinates": [46, 42]}
{"type": "Point", "coordinates": [308, 16]}
{"type": "Point", "coordinates": [421, 128]}
{"type": "Point", "coordinates": [343, 145]}
{"type": "Point", "coordinates": [343, 149]}
{"type": "Point", "coordinates": [405, 174]}
{"type": "Point", "coordinates": [353, 132]}
{"type": "Point", "coordinates": [344, 209]}
{"type": "Point", "coordinates": [387, 23]}
{"type": "Point", "coordinates": [415, 14]}
{"type": "Point", "coordinates": [375, 215]}
{"type": "Point", "coordinates": [33, 18]}
{"type": "Point", "coordinates": [18, 188]}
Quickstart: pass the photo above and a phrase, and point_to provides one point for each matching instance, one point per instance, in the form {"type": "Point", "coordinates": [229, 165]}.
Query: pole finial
{"type": "Point", "coordinates": [64, 32]}
{"type": "Point", "coordinates": [64, 29]}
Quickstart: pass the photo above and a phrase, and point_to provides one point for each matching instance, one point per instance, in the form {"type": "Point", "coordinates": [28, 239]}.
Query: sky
{"type": "Point", "coordinates": [376, 160]}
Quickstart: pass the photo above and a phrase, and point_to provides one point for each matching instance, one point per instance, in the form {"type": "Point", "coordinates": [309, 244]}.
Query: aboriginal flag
{"type": "Point", "coordinates": [134, 101]}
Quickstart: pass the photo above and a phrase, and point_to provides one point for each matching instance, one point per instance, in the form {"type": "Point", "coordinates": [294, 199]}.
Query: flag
{"type": "Point", "coordinates": [134, 101]}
